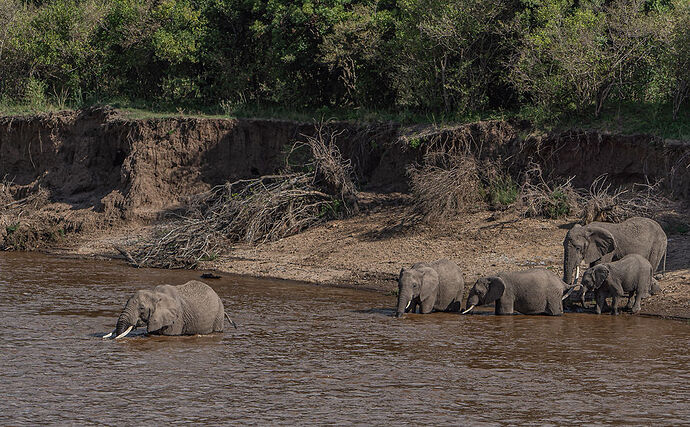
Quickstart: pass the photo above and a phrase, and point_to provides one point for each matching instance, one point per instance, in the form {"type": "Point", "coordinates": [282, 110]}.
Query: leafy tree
{"type": "Point", "coordinates": [358, 50]}
{"type": "Point", "coordinates": [448, 52]}
{"type": "Point", "coordinates": [578, 52]}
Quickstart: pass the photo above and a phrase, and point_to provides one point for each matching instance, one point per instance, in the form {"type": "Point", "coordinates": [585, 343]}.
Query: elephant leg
{"type": "Point", "coordinates": [614, 305]}
{"type": "Point", "coordinates": [583, 292]}
{"type": "Point", "coordinates": [636, 307]}
{"type": "Point", "coordinates": [601, 301]}
{"type": "Point", "coordinates": [503, 307]}
{"type": "Point", "coordinates": [631, 301]}
{"type": "Point", "coordinates": [454, 306]}
{"type": "Point", "coordinates": [426, 307]}
{"type": "Point", "coordinates": [554, 306]}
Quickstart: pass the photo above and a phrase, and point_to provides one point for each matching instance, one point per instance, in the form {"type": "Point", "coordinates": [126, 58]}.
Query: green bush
{"type": "Point", "coordinates": [558, 205]}
{"type": "Point", "coordinates": [501, 192]}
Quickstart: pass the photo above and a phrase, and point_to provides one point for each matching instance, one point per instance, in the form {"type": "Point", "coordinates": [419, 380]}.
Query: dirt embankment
{"type": "Point", "coordinates": [80, 182]}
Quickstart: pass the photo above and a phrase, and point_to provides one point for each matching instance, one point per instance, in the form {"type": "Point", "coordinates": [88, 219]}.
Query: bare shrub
{"type": "Point", "coordinates": [445, 185]}
{"type": "Point", "coordinates": [602, 203]}
{"type": "Point", "coordinates": [551, 200]}
{"type": "Point", "coordinates": [314, 187]}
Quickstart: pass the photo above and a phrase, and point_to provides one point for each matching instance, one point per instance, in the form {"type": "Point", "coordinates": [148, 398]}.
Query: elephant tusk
{"type": "Point", "coordinates": [469, 309]}
{"type": "Point", "coordinates": [408, 305]}
{"type": "Point", "coordinates": [124, 333]}
{"type": "Point", "coordinates": [567, 294]}
{"type": "Point", "coordinates": [577, 272]}
{"type": "Point", "coordinates": [108, 335]}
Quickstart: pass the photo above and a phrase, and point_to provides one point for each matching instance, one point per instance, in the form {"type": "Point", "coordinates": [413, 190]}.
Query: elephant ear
{"type": "Point", "coordinates": [429, 288]}
{"type": "Point", "coordinates": [166, 310]}
{"type": "Point", "coordinates": [600, 243]}
{"type": "Point", "coordinates": [601, 273]}
{"type": "Point", "coordinates": [495, 290]}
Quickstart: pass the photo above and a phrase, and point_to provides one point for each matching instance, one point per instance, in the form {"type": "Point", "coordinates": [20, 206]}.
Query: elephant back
{"type": "Point", "coordinates": [638, 235]}
{"type": "Point", "coordinates": [451, 283]}
{"type": "Point", "coordinates": [202, 307]}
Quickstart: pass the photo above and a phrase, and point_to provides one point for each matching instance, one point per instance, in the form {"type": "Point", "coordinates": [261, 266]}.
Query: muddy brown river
{"type": "Point", "coordinates": [305, 354]}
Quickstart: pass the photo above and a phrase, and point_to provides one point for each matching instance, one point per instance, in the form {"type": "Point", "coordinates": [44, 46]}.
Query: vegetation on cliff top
{"type": "Point", "coordinates": [552, 61]}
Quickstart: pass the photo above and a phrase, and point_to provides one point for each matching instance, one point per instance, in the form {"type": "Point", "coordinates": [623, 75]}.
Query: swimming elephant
{"type": "Point", "coordinates": [533, 291]}
{"type": "Point", "coordinates": [631, 275]}
{"type": "Point", "coordinates": [188, 309]}
{"type": "Point", "coordinates": [599, 242]}
{"type": "Point", "coordinates": [435, 286]}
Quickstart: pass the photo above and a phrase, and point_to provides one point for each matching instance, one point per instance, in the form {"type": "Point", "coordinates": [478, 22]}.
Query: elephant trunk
{"type": "Point", "coordinates": [570, 263]}
{"type": "Point", "coordinates": [473, 300]}
{"type": "Point", "coordinates": [404, 300]}
{"type": "Point", "coordinates": [128, 318]}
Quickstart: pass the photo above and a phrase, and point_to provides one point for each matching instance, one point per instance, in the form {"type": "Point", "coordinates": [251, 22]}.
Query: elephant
{"type": "Point", "coordinates": [189, 309]}
{"type": "Point", "coordinates": [533, 291]}
{"type": "Point", "coordinates": [434, 286]}
{"type": "Point", "coordinates": [600, 242]}
{"type": "Point", "coordinates": [631, 275]}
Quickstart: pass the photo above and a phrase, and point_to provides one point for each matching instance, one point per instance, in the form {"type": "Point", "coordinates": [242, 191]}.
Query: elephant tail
{"type": "Point", "coordinates": [230, 320]}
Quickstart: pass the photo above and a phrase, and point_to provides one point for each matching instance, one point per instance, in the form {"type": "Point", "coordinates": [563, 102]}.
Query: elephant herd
{"type": "Point", "coordinates": [621, 259]}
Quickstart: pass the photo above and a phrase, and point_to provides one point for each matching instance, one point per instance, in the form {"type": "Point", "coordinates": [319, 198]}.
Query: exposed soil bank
{"type": "Point", "coordinates": [83, 181]}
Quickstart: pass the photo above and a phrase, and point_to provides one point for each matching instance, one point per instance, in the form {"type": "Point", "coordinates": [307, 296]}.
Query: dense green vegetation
{"type": "Point", "coordinates": [413, 60]}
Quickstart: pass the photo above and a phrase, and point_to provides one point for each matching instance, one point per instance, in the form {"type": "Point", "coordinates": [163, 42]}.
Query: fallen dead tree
{"type": "Point", "coordinates": [314, 186]}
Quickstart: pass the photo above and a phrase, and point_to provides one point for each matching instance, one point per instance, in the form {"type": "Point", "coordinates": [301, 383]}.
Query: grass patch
{"type": "Point", "coordinates": [501, 192]}
{"type": "Point", "coordinates": [636, 118]}
{"type": "Point", "coordinates": [625, 118]}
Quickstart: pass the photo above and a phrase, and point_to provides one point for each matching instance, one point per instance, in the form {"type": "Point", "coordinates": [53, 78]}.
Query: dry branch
{"type": "Point", "coordinates": [315, 186]}
{"type": "Point", "coordinates": [537, 197]}
{"type": "Point", "coordinates": [602, 203]}
{"type": "Point", "coordinates": [445, 185]}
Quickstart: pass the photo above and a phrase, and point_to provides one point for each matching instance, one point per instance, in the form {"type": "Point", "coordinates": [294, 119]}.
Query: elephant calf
{"type": "Point", "coordinates": [534, 291]}
{"type": "Point", "coordinates": [435, 286]}
{"type": "Point", "coordinates": [188, 309]}
{"type": "Point", "coordinates": [631, 275]}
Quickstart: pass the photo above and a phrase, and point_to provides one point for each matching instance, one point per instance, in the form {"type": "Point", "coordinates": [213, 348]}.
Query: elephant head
{"type": "Point", "coordinates": [419, 284]}
{"type": "Point", "coordinates": [485, 291]}
{"type": "Point", "coordinates": [153, 309]}
{"type": "Point", "coordinates": [594, 277]}
{"type": "Point", "coordinates": [588, 243]}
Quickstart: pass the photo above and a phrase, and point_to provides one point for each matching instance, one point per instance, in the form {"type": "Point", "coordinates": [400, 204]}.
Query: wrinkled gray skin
{"type": "Point", "coordinates": [600, 242]}
{"type": "Point", "coordinates": [630, 276]}
{"type": "Point", "coordinates": [437, 286]}
{"type": "Point", "coordinates": [534, 291]}
{"type": "Point", "coordinates": [189, 309]}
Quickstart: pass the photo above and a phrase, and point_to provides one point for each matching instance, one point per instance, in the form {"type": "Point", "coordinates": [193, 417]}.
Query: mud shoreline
{"type": "Point", "coordinates": [80, 183]}
{"type": "Point", "coordinates": [366, 253]}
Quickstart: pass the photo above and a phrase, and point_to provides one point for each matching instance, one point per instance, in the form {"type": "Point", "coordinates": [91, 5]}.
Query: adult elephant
{"type": "Point", "coordinates": [600, 242]}
{"type": "Point", "coordinates": [533, 291]}
{"type": "Point", "coordinates": [435, 286]}
{"type": "Point", "coordinates": [188, 309]}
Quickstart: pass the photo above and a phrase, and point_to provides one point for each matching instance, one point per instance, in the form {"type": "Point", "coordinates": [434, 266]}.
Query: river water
{"type": "Point", "coordinates": [306, 354]}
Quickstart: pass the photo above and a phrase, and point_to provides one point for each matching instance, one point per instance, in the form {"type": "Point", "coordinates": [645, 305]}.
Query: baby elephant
{"type": "Point", "coordinates": [435, 286]}
{"type": "Point", "coordinates": [630, 275]}
{"type": "Point", "coordinates": [534, 291]}
{"type": "Point", "coordinates": [189, 309]}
